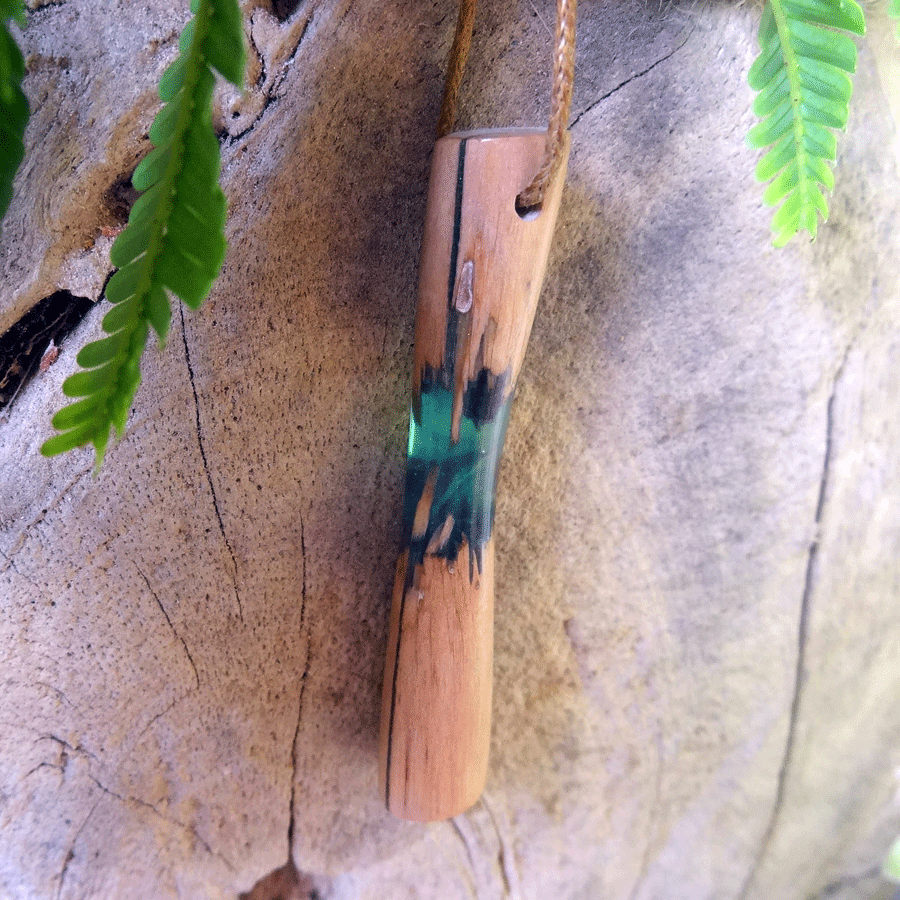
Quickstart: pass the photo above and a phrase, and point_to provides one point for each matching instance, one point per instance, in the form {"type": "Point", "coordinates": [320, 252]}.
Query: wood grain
{"type": "Point", "coordinates": [440, 717]}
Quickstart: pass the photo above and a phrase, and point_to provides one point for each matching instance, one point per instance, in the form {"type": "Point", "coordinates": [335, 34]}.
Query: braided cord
{"type": "Point", "coordinates": [561, 96]}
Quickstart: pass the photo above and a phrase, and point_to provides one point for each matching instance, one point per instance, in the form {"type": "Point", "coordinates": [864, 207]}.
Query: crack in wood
{"type": "Point", "coordinates": [70, 853]}
{"type": "Point", "coordinates": [52, 687]}
{"type": "Point", "coordinates": [158, 716]}
{"type": "Point", "coordinates": [44, 765]}
{"type": "Point", "coordinates": [172, 627]}
{"type": "Point", "coordinates": [209, 479]}
{"type": "Point", "coordinates": [24, 534]}
{"type": "Point", "coordinates": [303, 678]}
{"type": "Point", "coordinates": [271, 95]}
{"type": "Point", "coordinates": [183, 825]}
{"type": "Point", "coordinates": [504, 857]}
{"type": "Point", "coordinates": [591, 106]}
{"type": "Point", "coordinates": [62, 764]}
{"type": "Point", "coordinates": [802, 638]}
{"type": "Point", "coordinates": [472, 880]}
{"type": "Point", "coordinates": [287, 882]}
{"type": "Point", "coordinates": [77, 750]}
{"type": "Point", "coordinates": [12, 567]}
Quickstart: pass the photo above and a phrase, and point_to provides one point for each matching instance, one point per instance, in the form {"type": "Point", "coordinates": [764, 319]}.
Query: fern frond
{"type": "Point", "coordinates": [13, 105]}
{"type": "Point", "coordinates": [804, 88]}
{"type": "Point", "coordinates": [174, 239]}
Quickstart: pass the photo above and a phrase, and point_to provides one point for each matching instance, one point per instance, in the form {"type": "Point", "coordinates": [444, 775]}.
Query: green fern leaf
{"type": "Point", "coordinates": [174, 240]}
{"type": "Point", "coordinates": [891, 867]}
{"type": "Point", "coordinates": [801, 76]}
{"type": "Point", "coordinates": [13, 105]}
{"type": "Point", "coordinates": [894, 10]}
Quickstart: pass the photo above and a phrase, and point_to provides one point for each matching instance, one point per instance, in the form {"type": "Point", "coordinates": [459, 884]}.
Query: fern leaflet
{"type": "Point", "coordinates": [174, 239]}
{"type": "Point", "coordinates": [804, 88]}
{"type": "Point", "coordinates": [13, 105]}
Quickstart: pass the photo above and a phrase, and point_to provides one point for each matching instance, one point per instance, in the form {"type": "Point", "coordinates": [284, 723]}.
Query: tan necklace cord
{"type": "Point", "coordinates": [561, 97]}
{"type": "Point", "coordinates": [459, 53]}
{"type": "Point", "coordinates": [561, 104]}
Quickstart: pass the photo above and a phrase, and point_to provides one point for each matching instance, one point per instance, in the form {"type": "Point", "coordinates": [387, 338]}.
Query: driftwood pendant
{"type": "Point", "coordinates": [482, 266]}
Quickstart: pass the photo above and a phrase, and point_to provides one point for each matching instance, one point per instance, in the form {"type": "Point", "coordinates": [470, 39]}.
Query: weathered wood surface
{"type": "Point", "coordinates": [697, 692]}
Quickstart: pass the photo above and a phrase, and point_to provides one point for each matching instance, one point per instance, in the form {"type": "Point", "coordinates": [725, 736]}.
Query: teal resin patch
{"type": "Point", "coordinates": [464, 474]}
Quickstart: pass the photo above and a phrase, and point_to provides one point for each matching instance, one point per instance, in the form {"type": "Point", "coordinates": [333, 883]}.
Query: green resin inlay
{"type": "Point", "coordinates": [465, 474]}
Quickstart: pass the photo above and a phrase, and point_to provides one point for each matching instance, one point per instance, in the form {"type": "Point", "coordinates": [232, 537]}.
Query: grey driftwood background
{"type": "Point", "coordinates": [697, 682]}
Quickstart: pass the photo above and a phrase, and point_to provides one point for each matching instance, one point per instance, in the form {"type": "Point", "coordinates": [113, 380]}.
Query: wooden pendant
{"type": "Point", "coordinates": [482, 266]}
